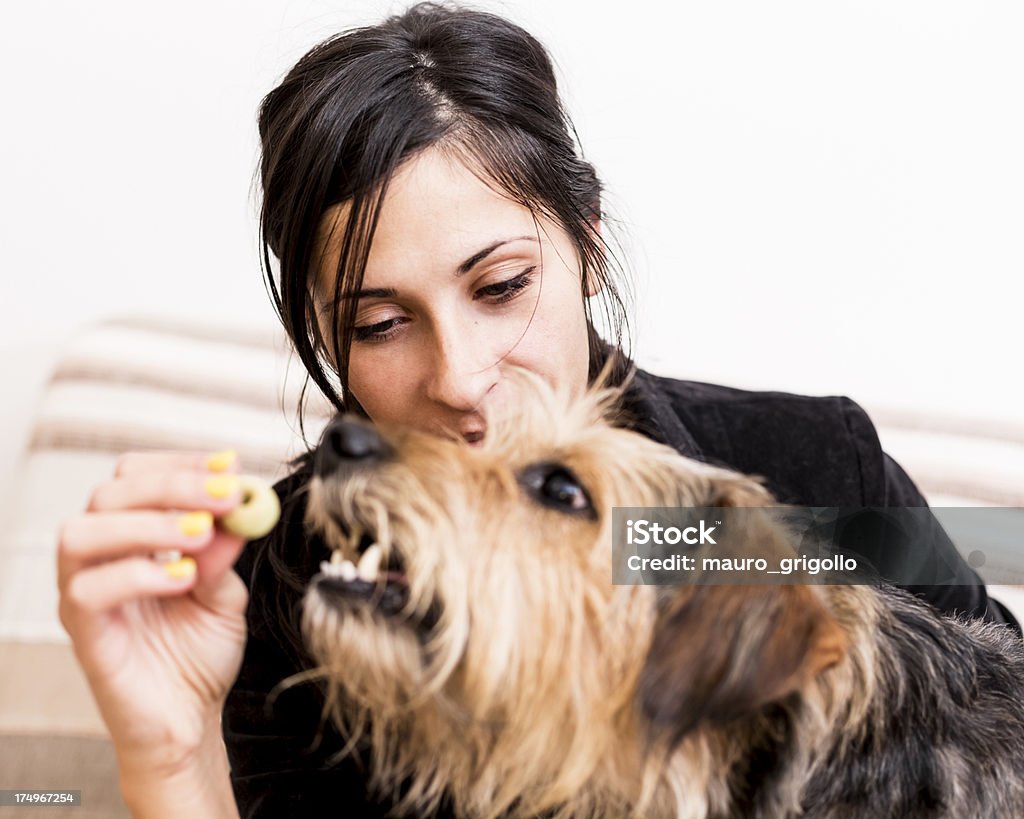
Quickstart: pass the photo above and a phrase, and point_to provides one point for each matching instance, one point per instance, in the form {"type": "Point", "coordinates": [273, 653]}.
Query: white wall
{"type": "Point", "coordinates": [821, 197]}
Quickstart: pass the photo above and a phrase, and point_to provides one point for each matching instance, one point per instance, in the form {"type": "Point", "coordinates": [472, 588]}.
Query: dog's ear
{"type": "Point", "coordinates": [721, 652]}
{"type": "Point", "coordinates": [733, 489]}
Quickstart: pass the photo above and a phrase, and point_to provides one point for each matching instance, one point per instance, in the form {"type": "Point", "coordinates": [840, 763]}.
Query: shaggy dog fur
{"type": "Point", "coordinates": [485, 654]}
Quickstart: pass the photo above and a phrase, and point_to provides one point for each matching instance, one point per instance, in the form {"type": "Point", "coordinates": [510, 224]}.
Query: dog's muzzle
{"type": "Point", "coordinates": [347, 443]}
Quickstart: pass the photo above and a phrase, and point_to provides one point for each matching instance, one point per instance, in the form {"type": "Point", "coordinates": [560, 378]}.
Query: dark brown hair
{"type": "Point", "coordinates": [362, 103]}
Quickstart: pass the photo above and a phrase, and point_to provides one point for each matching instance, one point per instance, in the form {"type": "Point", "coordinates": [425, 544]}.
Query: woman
{"type": "Point", "coordinates": [433, 225]}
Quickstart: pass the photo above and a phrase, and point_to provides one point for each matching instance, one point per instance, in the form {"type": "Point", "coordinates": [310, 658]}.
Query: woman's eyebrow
{"type": "Point", "coordinates": [461, 270]}
{"type": "Point", "coordinates": [480, 255]}
{"type": "Point", "coordinates": [369, 293]}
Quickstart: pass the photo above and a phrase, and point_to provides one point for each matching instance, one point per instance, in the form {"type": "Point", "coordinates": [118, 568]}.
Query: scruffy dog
{"type": "Point", "coordinates": [467, 626]}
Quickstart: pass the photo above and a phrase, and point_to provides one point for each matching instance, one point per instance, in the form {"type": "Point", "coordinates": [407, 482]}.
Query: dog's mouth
{"type": "Point", "coordinates": [372, 580]}
{"type": "Point", "coordinates": [370, 575]}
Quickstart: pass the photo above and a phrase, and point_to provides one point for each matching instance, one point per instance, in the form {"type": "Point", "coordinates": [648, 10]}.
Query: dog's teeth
{"type": "Point", "coordinates": [342, 568]}
{"type": "Point", "coordinates": [369, 563]}
{"type": "Point", "coordinates": [337, 557]}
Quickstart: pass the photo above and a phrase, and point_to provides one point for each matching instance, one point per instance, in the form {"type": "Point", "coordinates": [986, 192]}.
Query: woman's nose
{"type": "Point", "coordinates": [462, 373]}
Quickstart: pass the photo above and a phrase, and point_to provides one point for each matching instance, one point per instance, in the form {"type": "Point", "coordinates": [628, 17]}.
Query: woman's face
{"type": "Point", "coordinates": [457, 289]}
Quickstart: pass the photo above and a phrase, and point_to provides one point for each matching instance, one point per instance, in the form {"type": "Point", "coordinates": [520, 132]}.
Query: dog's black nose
{"type": "Point", "coordinates": [345, 442]}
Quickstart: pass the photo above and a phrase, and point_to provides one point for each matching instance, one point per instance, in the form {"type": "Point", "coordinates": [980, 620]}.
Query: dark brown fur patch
{"type": "Point", "coordinates": [722, 652]}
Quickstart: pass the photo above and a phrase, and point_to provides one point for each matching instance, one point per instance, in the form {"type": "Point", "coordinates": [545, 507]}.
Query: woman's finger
{"type": "Point", "coordinates": [168, 489]}
{"type": "Point", "coordinates": [92, 538]}
{"type": "Point", "coordinates": [132, 463]}
{"type": "Point", "coordinates": [218, 586]}
{"type": "Point", "coordinates": [95, 591]}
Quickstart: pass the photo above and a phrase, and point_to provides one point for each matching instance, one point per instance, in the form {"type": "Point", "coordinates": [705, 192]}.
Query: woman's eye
{"type": "Point", "coordinates": [381, 331]}
{"type": "Point", "coordinates": [506, 290]}
{"type": "Point", "coordinates": [497, 293]}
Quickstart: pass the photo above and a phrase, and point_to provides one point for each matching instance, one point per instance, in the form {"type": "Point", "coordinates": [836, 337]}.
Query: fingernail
{"type": "Point", "coordinates": [181, 569]}
{"type": "Point", "coordinates": [220, 461]}
{"type": "Point", "coordinates": [221, 486]}
{"type": "Point", "coordinates": [195, 523]}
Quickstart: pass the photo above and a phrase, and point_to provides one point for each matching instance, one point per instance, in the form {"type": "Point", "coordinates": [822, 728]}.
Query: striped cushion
{"type": "Point", "coordinates": [129, 384]}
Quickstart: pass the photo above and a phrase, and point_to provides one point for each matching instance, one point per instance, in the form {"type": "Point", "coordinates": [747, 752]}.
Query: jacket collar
{"type": "Point", "coordinates": [650, 412]}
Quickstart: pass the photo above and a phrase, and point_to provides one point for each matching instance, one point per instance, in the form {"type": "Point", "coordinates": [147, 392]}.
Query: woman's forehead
{"type": "Point", "coordinates": [436, 212]}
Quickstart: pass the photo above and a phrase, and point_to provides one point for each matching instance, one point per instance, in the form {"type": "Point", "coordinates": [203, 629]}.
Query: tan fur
{"type": "Point", "coordinates": [524, 696]}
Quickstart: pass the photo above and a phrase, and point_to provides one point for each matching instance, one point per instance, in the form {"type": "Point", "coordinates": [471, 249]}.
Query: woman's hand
{"type": "Point", "coordinates": [160, 644]}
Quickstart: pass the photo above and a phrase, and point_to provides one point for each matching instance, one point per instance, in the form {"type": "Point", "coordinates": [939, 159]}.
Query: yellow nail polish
{"type": "Point", "coordinates": [195, 523]}
{"type": "Point", "coordinates": [220, 461]}
{"type": "Point", "coordinates": [181, 569]}
{"type": "Point", "coordinates": [221, 486]}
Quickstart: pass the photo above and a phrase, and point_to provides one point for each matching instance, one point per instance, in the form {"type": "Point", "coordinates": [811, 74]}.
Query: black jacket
{"type": "Point", "coordinates": [813, 451]}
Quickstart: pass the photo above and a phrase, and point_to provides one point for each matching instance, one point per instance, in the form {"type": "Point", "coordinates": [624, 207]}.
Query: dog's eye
{"type": "Point", "coordinates": [562, 488]}
{"type": "Point", "coordinates": [555, 486]}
